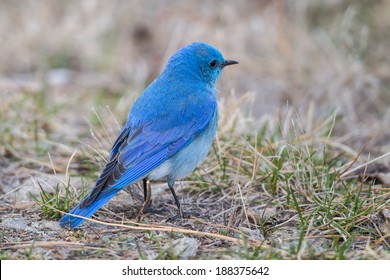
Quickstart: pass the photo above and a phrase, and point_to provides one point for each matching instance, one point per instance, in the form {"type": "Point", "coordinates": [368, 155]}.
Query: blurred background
{"type": "Point", "coordinates": [316, 70]}
{"type": "Point", "coordinates": [61, 61]}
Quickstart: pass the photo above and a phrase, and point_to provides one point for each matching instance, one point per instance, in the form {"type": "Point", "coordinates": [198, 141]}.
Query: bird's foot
{"type": "Point", "coordinates": [149, 209]}
{"type": "Point", "coordinates": [183, 215]}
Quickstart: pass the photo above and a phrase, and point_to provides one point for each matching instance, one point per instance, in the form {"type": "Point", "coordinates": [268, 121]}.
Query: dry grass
{"type": "Point", "coordinates": [300, 167]}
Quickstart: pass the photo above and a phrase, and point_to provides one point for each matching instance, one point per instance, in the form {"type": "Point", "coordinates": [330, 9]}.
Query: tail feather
{"type": "Point", "coordinates": [70, 221]}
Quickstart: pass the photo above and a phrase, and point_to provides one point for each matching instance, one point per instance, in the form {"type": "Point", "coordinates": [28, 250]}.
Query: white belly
{"type": "Point", "coordinates": [186, 160]}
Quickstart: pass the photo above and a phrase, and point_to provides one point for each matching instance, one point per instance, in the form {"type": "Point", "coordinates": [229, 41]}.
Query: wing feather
{"type": "Point", "coordinates": [138, 151]}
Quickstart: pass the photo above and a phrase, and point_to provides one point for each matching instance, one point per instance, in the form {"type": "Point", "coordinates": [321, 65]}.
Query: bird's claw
{"type": "Point", "coordinates": [183, 215]}
{"type": "Point", "coordinates": [152, 210]}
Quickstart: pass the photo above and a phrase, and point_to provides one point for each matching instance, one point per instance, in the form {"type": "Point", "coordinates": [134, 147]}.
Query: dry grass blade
{"type": "Point", "coordinates": [364, 165]}
{"type": "Point", "coordinates": [156, 227]}
{"type": "Point", "coordinates": [40, 244]}
{"type": "Point", "coordinates": [152, 227]}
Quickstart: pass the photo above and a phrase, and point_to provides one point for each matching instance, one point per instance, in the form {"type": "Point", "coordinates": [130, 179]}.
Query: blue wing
{"type": "Point", "coordinates": [137, 151]}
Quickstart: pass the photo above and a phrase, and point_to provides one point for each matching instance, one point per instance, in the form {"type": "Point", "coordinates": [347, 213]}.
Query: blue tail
{"type": "Point", "coordinates": [87, 211]}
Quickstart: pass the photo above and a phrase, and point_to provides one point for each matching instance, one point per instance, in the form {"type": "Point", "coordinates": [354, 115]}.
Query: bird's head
{"type": "Point", "coordinates": [199, 60]}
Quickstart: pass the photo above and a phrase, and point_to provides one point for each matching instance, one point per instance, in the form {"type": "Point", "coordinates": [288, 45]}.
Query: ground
{"type": "Point", "coordinates": [299, 168]}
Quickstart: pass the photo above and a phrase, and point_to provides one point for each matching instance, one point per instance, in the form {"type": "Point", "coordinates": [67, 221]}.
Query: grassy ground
{"type": "Point", "coordinates": [300, 167]}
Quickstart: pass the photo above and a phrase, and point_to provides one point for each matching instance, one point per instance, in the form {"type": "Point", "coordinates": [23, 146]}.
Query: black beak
{"type": "Point", "coordinates": [228, 62]}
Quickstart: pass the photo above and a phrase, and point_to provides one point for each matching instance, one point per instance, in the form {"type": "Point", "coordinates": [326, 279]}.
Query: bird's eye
{"type": "Point", "coordinates": [213, 63]}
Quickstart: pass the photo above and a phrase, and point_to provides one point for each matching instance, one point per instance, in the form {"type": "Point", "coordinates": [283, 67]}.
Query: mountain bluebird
{"type": "Point", "coordinates": [169, 130]}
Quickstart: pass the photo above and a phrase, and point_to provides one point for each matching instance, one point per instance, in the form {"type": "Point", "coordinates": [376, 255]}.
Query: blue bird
{"type": "Point", "coordinates": [169, 129]}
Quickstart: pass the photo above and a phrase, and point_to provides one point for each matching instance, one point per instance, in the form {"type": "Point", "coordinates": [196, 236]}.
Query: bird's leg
{"type": "Point", "coordinates": [147, 201]}
{"type": "Point", "coordinates": [181, 214]}
{"type": "Point", "coordinates": [145, 183]}
{"type": "Point", "coordinates": [170, 185]}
